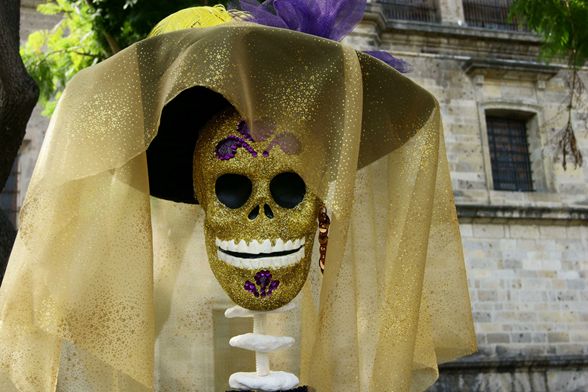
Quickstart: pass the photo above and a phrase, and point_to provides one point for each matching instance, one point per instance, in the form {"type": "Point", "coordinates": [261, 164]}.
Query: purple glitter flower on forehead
{"type": "Point", "coordinates": [243, 129]}
{"type": "Point", "coordinates": [227, 148]}
{"type": "Point", "coordinates": [262, 130]}
{"type": "Point", "coordinates": [287, 141]}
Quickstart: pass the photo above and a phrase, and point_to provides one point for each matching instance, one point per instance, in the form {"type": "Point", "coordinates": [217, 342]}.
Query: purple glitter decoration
{"type": "Point", "coordinates": [396, 63]}
{"type": "Point", "coordinates": [332, 19]}
{"type": "Point", "coordinates": [263, 279]}
{"type": "Point", "coordinates": [262, 130]}
{"type": "Point", "coordinates": [287, 141]}
{"type": "Point", "coordinates": [273, 285]}
{"type": "Point", "coordinates": [251, 288]}
{"type": "Point", "coordinates": [227, 148]}
{"type": "Point", "coordinates": [243, 129]}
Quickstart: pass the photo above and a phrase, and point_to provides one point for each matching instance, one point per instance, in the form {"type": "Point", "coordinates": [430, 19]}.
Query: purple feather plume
{"type": "Point", "coordinates": [396, 63]}
{"type": "Point", "coordinates": [332, 19]}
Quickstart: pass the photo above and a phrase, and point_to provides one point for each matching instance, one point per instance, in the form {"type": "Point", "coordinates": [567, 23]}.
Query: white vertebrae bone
{"type": "Point", "coordinates": [263, 378]}
{"type": "Point", "coordinates": [255, 255]}
{"type": "Point", "coordinates": [261, 343]}
{"type": "Point", "coordinates": [274, 381]}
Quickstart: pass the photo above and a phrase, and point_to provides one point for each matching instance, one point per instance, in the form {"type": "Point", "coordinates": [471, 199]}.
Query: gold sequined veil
{"type": "Point", "coordinates": [108, 289]}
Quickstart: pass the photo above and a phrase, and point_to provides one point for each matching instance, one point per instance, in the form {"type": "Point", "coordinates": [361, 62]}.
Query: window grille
{"type": "Point", "coordinates": [509, 154]}
{"type": "Point", "coordinates": [491, 14]}
{"type": "Point", "coordinates": [415, 10]}
{"type": "Point", "coordinates": [8, 197]}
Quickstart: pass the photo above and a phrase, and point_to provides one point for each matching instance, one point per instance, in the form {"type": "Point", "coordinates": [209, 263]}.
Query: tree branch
{"type": "Point", "coordinates": [18, 95]}
{"type": "Point", "coordinates": [112, 43]}
{"type": "Point", "coordinates": [114, 46]}
{"type": "Point", "coordinates": [18, 92]}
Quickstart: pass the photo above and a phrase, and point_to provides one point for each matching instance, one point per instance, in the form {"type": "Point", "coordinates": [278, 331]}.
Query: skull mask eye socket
{"type": "Point", "coordinates": [233, 190]}
{"type": "Point", "coordinates": [288, 189]}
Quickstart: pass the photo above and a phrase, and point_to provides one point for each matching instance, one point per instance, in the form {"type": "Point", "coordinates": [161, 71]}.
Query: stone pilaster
{"type": "Point", "coordinates": [451, 12]}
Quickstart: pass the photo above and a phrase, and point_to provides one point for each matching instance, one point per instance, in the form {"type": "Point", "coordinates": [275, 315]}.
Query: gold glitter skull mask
{"type": "Point", "coordinates": [260, 217]}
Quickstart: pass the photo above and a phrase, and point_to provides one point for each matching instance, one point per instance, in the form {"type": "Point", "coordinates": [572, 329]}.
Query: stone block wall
{"type": "Point", "coordinates": [526, 252]}
{"type": "Point", "coordinates": [528, 286]}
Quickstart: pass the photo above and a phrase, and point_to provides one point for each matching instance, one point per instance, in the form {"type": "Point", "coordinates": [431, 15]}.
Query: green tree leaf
{"type": "Point", "coordinates": [563, 25]}
{"type": "Point", "coordinates": [89, 31]}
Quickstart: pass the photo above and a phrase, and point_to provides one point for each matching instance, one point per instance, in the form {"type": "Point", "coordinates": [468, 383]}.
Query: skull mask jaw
{"type": "Point", "coordinates": [260, 218]}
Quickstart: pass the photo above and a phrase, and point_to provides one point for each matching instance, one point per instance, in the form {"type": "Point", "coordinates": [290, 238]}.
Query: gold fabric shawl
{"type": "Point", "coordinates": [108, 289]}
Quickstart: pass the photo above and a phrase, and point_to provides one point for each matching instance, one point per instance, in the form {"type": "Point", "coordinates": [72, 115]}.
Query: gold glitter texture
{"type": "Point", "coordinates": [109, 290]}
{"type": "Point", "coordinates": [229, 224]}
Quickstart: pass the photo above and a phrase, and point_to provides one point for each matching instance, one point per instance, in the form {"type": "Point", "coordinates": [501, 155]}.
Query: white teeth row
{"type": "Point", "coordinates": [255, 247]}
{"type": "Point", "coordinates": [263, 262]}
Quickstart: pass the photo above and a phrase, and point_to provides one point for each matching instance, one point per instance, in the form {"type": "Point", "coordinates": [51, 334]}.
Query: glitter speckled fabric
{"type": "Point", "coordinates": [107, 289]}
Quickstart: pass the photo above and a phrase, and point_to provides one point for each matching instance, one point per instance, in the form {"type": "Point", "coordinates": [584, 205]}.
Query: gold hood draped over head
{"type": "Point", "coordinates": [108, 288]}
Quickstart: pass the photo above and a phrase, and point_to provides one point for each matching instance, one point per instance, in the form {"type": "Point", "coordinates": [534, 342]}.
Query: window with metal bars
{"type": "Point", "coordinates": [415, 10]}
{"type": "Point", "coordinates": [8, 197]}
{"type": "Point", "coordinates": [491, 14]}
{"type": "Point", "coordinates": [509, 154]}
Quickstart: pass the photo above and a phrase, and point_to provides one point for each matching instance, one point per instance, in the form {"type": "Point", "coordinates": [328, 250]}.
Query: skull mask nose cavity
{"type": "Point", "coordinates": [268, 211]}
{"type": "Point", "coordinates": [254, 212]}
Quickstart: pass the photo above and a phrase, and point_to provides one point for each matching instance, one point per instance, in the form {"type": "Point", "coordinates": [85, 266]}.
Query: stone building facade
{"type": "Point", "coordinates": [525, 235]}
{"type": "Point", "coordinates": [524, 220]}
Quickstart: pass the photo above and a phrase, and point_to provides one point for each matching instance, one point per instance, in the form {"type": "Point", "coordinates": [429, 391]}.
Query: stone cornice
{"type": "Point", "coordinates": [450, 39]}
{"type": "Point", "coordinates": [374, 13]}
{"type": "Point", "coordinates": [477, 363]}
{"type": "Point", "coordinates": [497, 214]}
{"type": "Point", "coordinates": [522, 70]}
